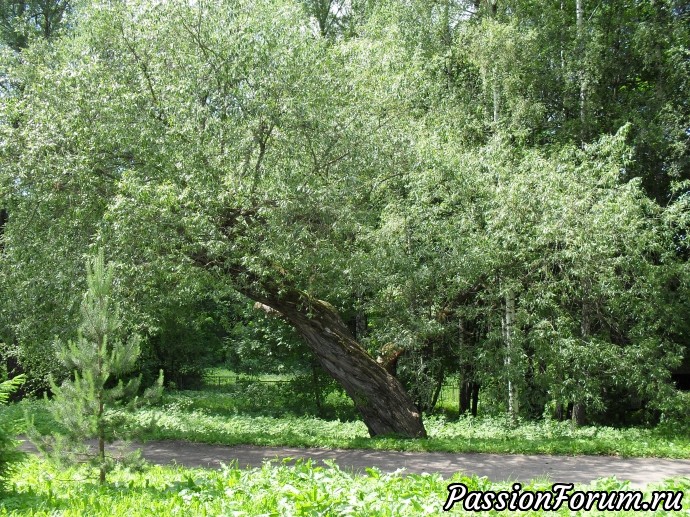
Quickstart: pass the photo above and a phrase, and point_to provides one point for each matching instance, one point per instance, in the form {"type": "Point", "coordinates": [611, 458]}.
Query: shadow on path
{"type": "Point", "coordinates": [497, 467]}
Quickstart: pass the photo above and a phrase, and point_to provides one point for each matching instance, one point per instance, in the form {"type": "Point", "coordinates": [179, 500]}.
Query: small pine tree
{"type": "Point", "coordinates": [99, 360]}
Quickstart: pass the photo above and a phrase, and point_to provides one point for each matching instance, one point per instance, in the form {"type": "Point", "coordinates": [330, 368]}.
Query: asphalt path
{"type": "Point", "coordinates": [497, 467]}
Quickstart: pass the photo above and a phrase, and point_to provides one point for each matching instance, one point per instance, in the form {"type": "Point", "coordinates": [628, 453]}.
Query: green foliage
{"type": "Point", "coordinates": [99, 361]}
{"type": "Point", "coordinates": [300, 490]}
{"type": "Point", "coordinates": [420, 163]}
{"type": "Point", "coordinates": [186, 340]}
{"type": "Point", "coordinates": [22, 21]}
{"type": "Point", "coordinates": [9, 455]}
{"type": "Point", "coordinates": [237, 418]}
{"type": "Point", "coordinates": [260, 344]}
{"type": "Point", "coordinates": [199, 416]}
{"type": "Point", "coordinates": [9, 386]}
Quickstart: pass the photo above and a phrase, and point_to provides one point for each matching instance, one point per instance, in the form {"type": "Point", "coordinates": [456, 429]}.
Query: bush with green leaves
{"type": "Point", "coordinates": [9, 455]}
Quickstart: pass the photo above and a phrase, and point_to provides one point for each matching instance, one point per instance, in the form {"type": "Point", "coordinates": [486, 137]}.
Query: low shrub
{"type": "Point", "coordinates": [9, 455]}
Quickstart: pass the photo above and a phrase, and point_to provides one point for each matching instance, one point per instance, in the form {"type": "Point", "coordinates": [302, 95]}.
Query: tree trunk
{"type": "Point", "coordinates": [578, 418]}
{"type": "Point", "coordinates": [508, 330]}
{"type": "Point", "coordinates": [465, 396]}
{"type": "Point", "coordinates": [579, 21]}
{"type": "Point", "coordinates": [101, 429]}
{"type": "Point", "coordinates": [469, 397]}
{"type": "Point", "coordinates": [437, 388]}
{"type": "Point", "coordinates": [380, 399]}
{"type": "Point", "coordinates": [378, 396]}
{"type": "Point", "coordinates": [466, 387]}
{"type": "Point", "coordinates": [101, 456]}
{"type": "Point", "coordinates": [361, 320]}
{"type": "Point", "coordinates": [316, 385]}
{"type": "Point", "coordinates": [475, 398]}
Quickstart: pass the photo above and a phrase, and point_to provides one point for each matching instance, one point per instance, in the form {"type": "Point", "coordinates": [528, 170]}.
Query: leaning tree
{"type": "Point", "coordinates": [230, 137]}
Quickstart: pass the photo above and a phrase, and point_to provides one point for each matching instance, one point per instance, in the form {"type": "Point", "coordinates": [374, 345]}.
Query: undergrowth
{"type": "Point", "coordinates": [213, 417]}
{"type": "Point", "coordinates": [39, 488]}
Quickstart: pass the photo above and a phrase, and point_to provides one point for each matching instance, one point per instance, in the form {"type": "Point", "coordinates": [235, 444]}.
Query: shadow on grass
{"type": "Point", "coordinates": [12, 501]}
{"type": "Point", "coordinates": [87, 496]}
{"type": "Point", "coordinates": [203, 417]}
{"type": "Point", "coordinates": [559, 446]}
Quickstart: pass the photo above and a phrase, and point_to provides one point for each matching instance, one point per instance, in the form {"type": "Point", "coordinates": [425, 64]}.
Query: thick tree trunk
{"type": "Point", "coordinates": [378, 396]}
{"type": "Point", "coordinates": [469, 397]}
{"type": "Point", "coordinates": [383, 403]}
{"type": "Point", "coordinates": [465, 393]}
{"type": "Point", "coordinates": [465, 396]}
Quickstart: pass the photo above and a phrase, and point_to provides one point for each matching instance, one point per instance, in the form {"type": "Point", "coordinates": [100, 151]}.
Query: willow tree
{"type": "Point", "coordinates": [230, 137]}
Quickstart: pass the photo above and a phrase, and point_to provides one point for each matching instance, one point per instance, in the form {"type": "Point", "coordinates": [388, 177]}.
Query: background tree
{"type": "Point", "coordinates": [22, 20]}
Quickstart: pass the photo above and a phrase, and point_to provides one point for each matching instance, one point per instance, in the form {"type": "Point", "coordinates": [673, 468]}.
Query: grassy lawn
{"type": "Point", "coordinates": [40, 488]}
{"type": "Point", "coordinates": [237, 418]}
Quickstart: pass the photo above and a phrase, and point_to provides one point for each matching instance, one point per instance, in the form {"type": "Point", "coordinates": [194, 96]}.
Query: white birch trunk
{"type": "Point", "coordinates": [508, 333]}
{"type": "Point", "coordinates": [580, 23]}
{"type": "Point", "coordinates": [496, 96]}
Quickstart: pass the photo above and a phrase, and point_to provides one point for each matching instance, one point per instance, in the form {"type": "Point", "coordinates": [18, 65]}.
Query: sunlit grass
{"type": "Point", "coordinates": [40, 488]}
{"type": "Point", "coordinates": [213, 417]}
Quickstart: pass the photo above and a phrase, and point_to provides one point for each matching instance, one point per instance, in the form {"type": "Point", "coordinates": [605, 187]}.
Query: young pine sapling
{"type": "Point", "coordinates": [99, 359]}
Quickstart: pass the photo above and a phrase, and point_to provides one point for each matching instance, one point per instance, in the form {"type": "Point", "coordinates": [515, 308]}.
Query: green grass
{"type": "Point", "coordinates": [225, 372]}
{"type": "Point", "coordinates": [40, 488]}
{"type": "Point", "coordinates": [233, 419]}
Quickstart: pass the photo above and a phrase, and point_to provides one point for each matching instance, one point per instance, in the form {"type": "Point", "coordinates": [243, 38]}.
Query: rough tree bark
{"type": "Point", "coordinates": [383, 403]}
{"type": "Point", "coordinates": [378, 396]}
{"type": "Point", "coordinates": [388, 358]}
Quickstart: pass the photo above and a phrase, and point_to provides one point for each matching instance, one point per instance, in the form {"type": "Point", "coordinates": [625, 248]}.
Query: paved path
{"type": "Point", "coordinates": [497, 467]}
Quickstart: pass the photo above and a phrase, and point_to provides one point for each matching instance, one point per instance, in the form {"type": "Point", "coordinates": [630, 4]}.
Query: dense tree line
{"type": "Point", "coordinates": [490, 190]}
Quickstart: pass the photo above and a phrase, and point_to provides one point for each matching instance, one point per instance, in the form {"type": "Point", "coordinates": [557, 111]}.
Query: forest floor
{"type": "Point", "coordinates": [497, 467]}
